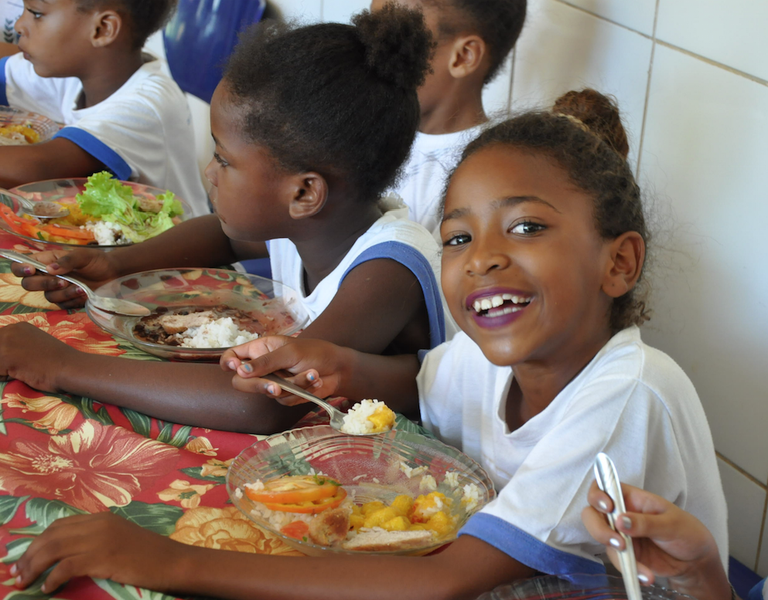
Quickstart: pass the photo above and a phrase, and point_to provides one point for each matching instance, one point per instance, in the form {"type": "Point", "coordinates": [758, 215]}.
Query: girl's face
{"type": "Point", "coordinates": [523, 264]}
{"type": "Point", "coordinates": [250, 191]}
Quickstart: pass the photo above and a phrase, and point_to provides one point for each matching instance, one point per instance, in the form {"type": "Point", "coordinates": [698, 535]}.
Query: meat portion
{"type": "Point", "coordinates": [330, 526]}
{"type": "Point", "coordinates": [380, 540]}
{"type": "Point", "coordinates": [176, 323]}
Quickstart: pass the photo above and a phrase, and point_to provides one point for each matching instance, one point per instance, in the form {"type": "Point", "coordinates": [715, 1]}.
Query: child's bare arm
{"type": "Point", "coordinates": [57, 158]}
{"type": "Point", "coordinates": [668, 542]}
{"type": "Point", "coordinates": [7, 49]}
{"type": "Point", "coordinates": [106, 546]}
{"type": "Point", "coordinates": [199, 242]}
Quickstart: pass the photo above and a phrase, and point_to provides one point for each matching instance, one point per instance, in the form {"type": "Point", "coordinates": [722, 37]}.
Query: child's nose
{"type": "Point", "coordinates": [485, 256]}
{"type": "Point", "coordinates": [210, 172]}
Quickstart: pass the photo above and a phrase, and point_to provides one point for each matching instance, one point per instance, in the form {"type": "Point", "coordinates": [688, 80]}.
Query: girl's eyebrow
{"type": "Point", "coordinates": [502, 203]}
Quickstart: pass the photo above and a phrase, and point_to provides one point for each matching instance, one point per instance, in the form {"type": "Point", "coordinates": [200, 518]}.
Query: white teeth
{"type": "Point", "coordinates": [498, 300]}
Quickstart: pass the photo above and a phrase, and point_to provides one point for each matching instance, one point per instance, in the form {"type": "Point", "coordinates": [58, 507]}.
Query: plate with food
{"type": "Point", "coordinates": [104, 212]}
{"type": "Point", "coordinates": [198, 313]}
{"type": "Point", "coordinates": [20, 127]}
{"type": "Point", "coordinates": [323, 492]}
{"type": "Point", "coordinates": [577, 586]}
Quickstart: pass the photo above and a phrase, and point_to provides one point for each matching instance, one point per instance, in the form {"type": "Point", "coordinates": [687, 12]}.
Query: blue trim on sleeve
{"type": "Point", "coordinates": [756, 593]}
{"type": "Point", "coordinates": [3, 81]}
{"type": "Point", "coordinates": [418, 264]}
{"type": "Point", "coordinates": [525, 548]}
{"type": "Point", "coordinates": [422, 354]}
{"type": "Point", "coordinates": [98, 149]}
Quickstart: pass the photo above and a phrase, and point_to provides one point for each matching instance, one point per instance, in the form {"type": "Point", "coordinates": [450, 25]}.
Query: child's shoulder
{"type": "Point", "coordinates": [152, 84]}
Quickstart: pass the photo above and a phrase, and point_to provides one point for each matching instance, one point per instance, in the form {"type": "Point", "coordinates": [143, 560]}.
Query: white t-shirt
{"type": "Point", "coordinates": [431, 159]}
{"type": "Point", "coordinates": [392, 236]}
{"type": "Point", "coordinates": [142, 132]}
{"type": "Point", "coordinates": [10, 11]}
{"type": "Point", "coordinates": [631, 401]}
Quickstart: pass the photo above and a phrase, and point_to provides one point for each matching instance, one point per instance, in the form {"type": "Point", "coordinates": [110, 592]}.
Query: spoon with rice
{"type": "Point", "coordinates": [368, 417]}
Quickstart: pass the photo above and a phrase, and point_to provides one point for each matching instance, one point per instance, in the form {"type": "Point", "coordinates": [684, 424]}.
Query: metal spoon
{"type": "Point", "coordinates": [115, 306]}
{"type": "Point", "coordinates": [337, 417]}
{"type": "Point", "coordinates": [44, 209]}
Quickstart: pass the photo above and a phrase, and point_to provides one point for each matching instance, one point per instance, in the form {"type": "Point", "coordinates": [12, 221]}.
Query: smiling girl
{"type": "Point", "coordinates": [544, 243]}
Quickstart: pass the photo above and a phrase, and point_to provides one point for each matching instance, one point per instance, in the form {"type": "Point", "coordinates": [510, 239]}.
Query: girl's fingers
{"type": "Point", "coordinates": [644, 575]}
{"type": "Point", "coordinates": [599, 529]}
{"type": "Point", "coordinates": [598, 499]}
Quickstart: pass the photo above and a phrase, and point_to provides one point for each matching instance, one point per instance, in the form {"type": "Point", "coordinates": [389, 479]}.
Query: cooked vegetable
{"type": "Point", "coordinates": [294, 490]}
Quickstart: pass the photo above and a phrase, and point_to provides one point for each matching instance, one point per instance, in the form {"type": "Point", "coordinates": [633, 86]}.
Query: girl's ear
{"type": "Point", "coordinates": [107, 25]}
{"type": "Point", "coordinates": [310, 191]}
{"type": "Point", "coordinates": [466, 56]}
{"type": "Point", "coordinates": [627, 254]}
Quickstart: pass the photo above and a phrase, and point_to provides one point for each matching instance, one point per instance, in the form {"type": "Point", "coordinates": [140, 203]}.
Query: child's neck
{"type": "Point", "coordinates": [323, 244]}
{"type": "Point", "coordinates": [107, 75]}
{"type": "Point", "coordinates": [537, 383]}
{"type": "Point", "coordinates": [457, 111]}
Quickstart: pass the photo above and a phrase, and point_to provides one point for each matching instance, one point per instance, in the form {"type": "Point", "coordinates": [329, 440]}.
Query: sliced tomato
{"type": "Point", "coordinates": [294, 489]}
{"type": "Point", "coordinates": [313, 507]}
{"type": "Point", "coordinates": [297, 530]}
{"type": "Point", "coordinates": [68, 232]}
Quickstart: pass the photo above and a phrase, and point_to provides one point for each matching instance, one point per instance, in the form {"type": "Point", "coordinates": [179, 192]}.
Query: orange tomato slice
{"type": "Point", "coordinates": [294, 489]}
{"type": "Point", "coordinates": [311, 507]}
{"type": "Point", "coordinates": [297, 530]}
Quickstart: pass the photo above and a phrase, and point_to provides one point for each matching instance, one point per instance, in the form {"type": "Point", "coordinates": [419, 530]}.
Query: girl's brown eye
{"type": "Point", "coordinates": [457, 240]}
{"type": "Point", "coordinates": [527, 228]}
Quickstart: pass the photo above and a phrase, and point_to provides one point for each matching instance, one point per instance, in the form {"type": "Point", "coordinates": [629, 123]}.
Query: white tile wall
{"type": "Point", "coordinates": [303, 11]}
{"type": "Point", "coordinates": [563, 48]}
{"type": "Point", "coordinates": [746, 501]}
{"type": "Point", "coordinates": [704, 157]}
{"type": "Point", "coordinates": [635, 14]}
{"type": "Point", "coordinates": [732, 32]}
{"type": "Point", "coordinates": [341, 12]}
{"type": "Point", "coordinates": [762, 558]}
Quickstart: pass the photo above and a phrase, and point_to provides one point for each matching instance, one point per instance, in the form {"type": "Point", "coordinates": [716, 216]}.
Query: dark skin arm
{"type": "Point", "coordinates": [57, 158]}
{"type": "Point", "coordinates": [186, 393]}
{"type": "Point", "coordinates": [7, 49]}
{"type": "Point", "coordinates": [106, 546]}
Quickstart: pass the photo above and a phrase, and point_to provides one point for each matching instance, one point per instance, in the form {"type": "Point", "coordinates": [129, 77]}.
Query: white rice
{"type": "Point", "coordinates": [452, 478]}
{"type": "Point", "coordinates": [428, 483]}
{"type": "Point", "coordinates": [412, 471]}
{"type": "Point", "coordinates": [221, 333]}
{"type": "Point", "coordinates": [106, 233]}
{"type": "Point", "coordinates": [471, 496]}
{"type": "Point", "coordinates": [356, 420]}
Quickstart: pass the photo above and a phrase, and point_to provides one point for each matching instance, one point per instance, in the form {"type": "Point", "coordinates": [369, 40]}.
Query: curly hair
{"type": "Point", "coordinates": [497, 22]}
{"type": "Point", "coordinates": [337, 99]}
{"type": "Point", "coordinates": [145, 16]}
{"type": "Point", "coordinates": [584, 135]}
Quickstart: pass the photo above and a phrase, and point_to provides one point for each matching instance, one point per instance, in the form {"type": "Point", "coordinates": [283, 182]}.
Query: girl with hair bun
{"type": "Point", "coordinates": [311, 125]}
{"type": "Point", "coordinates": [543, 246]}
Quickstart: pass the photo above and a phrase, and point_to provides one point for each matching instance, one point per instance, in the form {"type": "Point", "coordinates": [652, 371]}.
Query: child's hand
{"type": "Point", "coordinates": [312, 364]}
{"type": "Point", "coordinates": [32, 356]}
{"type": "Point", "coordinates": [668, 541]}
{"type": "Point", "coordinates": [102, 546]}
{"type": "Point", "coordinates": [93, 267]}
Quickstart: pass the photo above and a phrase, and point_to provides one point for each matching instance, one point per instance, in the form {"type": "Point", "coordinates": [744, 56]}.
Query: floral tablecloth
{"type": "Point", "coordinates": [64, 455]}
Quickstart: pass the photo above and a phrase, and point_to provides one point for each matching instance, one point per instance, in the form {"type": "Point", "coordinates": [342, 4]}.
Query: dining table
{"type": "Point", "coordinates": [64, 454]}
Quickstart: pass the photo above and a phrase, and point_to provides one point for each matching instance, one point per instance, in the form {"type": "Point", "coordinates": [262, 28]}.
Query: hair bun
{"type": "Point", "coordinates": [398, 44]}
{"type": "Point", "coordinates": [599, 113]}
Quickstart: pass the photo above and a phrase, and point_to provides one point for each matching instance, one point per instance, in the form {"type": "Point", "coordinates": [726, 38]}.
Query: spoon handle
{"type": "Point", "coordinates": [302, 393]}
{"type": "Point", "coordinates": [23, 258]}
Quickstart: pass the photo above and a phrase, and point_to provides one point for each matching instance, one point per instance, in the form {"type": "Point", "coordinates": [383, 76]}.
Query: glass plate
{"type": "Point", "coordinates": [173, 288]}
{"type": "Point", "coordinates": [368, 467]}
{"type": "Point", "coordinates": [577, 587]}
{"type": "Point", "coordinates": [42, 125]}
{"type": "Point", "coordinates": [64, 192]}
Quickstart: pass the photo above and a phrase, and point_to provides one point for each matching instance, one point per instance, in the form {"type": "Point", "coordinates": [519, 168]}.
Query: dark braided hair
{"type": "Point", "coordinates": [337, 99]}
{"type": "Point", "coordinates": [497, 22]}
{"type": "Point", "coordinates": [145, 16]}
{"type": "Point", "coordinates": [583, 134]}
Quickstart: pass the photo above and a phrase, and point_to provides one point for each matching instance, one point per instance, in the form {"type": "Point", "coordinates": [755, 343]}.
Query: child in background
{"type": "Point", "coordinates": [668, 542]}
{"type": "Point", "coordinates": [474, 38]}
{"type": "Point", "coordinates": [295, 166]}
{"type": "Point", "coordinates": [81, 64]}
{"type": "Point", "coordinates": [544, 242]}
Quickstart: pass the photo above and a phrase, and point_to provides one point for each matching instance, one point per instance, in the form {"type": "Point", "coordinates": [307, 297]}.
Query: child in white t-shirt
{"type": "Point", "coordinates": [81, 64]}
{"type": "Point", "coordinates": [474, 37]}
{"type": "Point", "coordinates": [543, 246]}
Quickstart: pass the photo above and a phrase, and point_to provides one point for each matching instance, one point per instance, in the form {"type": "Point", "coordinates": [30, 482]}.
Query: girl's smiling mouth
{"type": "Point", "coordinates": [496, 307]}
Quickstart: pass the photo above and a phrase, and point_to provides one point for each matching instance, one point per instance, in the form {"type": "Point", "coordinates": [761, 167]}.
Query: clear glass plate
{"type": "Point", "coordinates": [64, 191]}
{"type": "Point", "coordinates": [368, 467]}
{"type": "Point", "coordinates": [577, 587]}
{"type": "Point", "coordinates": [42, 125]}
{"type": "Point", "coordinates": [268, 301]}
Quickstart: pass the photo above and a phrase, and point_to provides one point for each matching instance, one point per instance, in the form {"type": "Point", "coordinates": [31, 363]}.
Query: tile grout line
{"type": "Point", "coordinates": [607, 20]}
{"type": "Point", "coordinates": [511, 80]}
{"type": "Point", "coordinates": [741, 471]}
{"type": "Point", "coordinates": [647, 93]}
